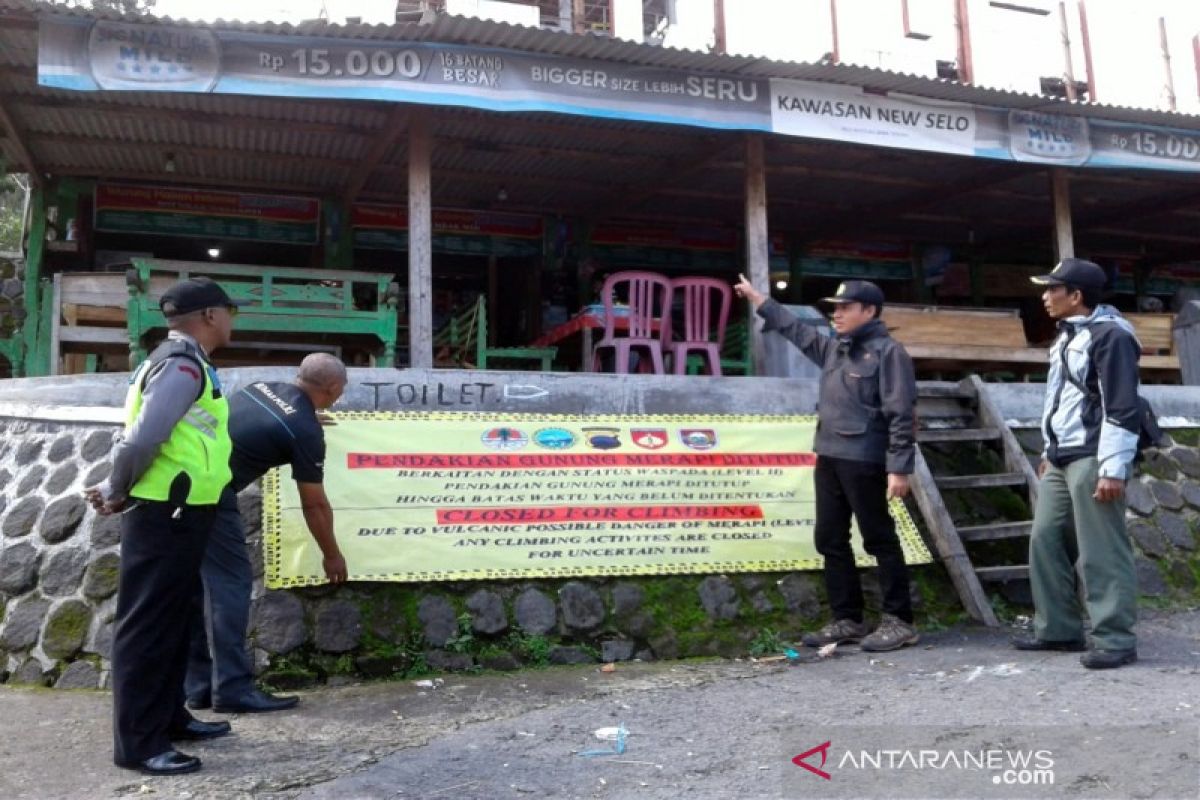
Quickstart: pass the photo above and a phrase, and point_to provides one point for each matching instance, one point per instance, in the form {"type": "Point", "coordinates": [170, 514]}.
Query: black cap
{"type": "Point", "coordinates": [194, 294]}
{"type": "Point", "coordinates": [1076, 272]}
{"type": "Point", "coordinates": [857, 292]}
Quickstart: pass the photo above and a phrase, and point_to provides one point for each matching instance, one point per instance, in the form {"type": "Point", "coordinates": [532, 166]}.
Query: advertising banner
{"type": "Point", "coordinates": [110, 55]}
{"type": "Point", "coordinates": [120, 56]}
{"type": "Point", "coordinates": [461, 496]}
{"type": "Point", "coordinates": [385, 227]}
{"type": "Point", "coordinates": [200, 212]}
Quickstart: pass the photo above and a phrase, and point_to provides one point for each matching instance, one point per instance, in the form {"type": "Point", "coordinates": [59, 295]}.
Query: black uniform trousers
{"type": "Point", "coordinates": [159, 580]}
{"type": "Point", "coordinates": [859, 488]}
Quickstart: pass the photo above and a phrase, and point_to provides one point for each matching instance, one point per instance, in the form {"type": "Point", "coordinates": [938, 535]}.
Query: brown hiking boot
{"type": "Point", "coordinates": [892, 634]}
{"type": "Point", "coordinates": [840, 631]}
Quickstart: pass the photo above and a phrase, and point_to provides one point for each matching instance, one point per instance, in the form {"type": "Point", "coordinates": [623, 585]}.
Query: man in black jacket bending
{"type": "Point", "coordinates": [864, 447]}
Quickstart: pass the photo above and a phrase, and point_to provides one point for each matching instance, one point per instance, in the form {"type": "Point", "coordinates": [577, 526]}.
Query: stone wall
{"type": "Point", "coordinates": [58, 560]}
{"type": "Point", "coordinates": [58, 575]}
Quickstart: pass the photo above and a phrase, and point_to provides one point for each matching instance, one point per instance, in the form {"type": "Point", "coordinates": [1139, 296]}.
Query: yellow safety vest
{"type": "Point", "coordinates": [199, 445]}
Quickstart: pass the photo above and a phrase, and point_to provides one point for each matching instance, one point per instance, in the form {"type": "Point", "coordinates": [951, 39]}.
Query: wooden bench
{"type": "Point", "coordinates": [1155, 332]}
{"type": "Point", "coordinates": [462, 342]}
{"type": "Point", "coordinates": [972, 338]}
{"type": "Point", "coordinates": [313, 305]}
{"type": "Point", "coordinates": [735, 352]}
{"type": "Point", "coordinates": [963, 336]}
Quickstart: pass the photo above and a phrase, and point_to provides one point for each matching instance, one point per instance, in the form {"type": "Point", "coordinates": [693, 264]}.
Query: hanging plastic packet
{"type": "Point", "coordinates": [615, 735]}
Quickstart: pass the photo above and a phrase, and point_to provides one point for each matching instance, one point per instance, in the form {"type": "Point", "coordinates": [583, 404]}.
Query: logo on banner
{"type": "Point", "coordinates": [554, 438]}
{"type": "Point", "coordinates": [504, 439]}
{"type": "Point", "coordinates": [603, 438]}
{"type": "Point", "coordinates": [139, 57]}
{"type": "Point", "coordinates": [823, 749]}
{"type": "Point", "coordinates": [649, 438]}
{"type": "Point", "coordinates": [699, 438]}
{"type": "Point", "coordinates": [1048, 138]}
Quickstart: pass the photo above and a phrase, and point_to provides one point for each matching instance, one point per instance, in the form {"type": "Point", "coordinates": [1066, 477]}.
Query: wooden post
{"type": "Point", "coordinates": [1068, 62]}
{"type": "Point", "coordinates": [337, 235]}
{"type": "Point", "coordinates": [758, 243]}
{"type": "Point", "coordinates": [55, 325]}
{"type": "Point", "coordinates": [962, 25]}
{"type": "Point", "coordinates": [1166, 54]}
{"type": "Point", "coordinates": [420, 244]}
{"type": "Point", "coordinates": [1085, 37]}
{"type": "Point", "coordinates": [493, 297]}
{"type": "Point", "coordinates": [33, 275]}
{"type": "Point", "coordinates": [719, 41]}
{"type": "Point", "coordinates": [1187, 342]}
{"type": "Point", "coordinates": [1060, 190]}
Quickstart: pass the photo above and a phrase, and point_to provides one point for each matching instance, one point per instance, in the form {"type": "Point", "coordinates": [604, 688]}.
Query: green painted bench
{"type": "Point", "coordinates": [289, 300]}
{"type": "Point", "coordinates": [735, 352]}
{"type": "Point", "coordinates": [462, 342]}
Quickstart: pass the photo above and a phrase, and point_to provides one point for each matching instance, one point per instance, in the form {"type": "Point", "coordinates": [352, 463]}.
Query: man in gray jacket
{"type": "Point", "coordinates": [1090, 423]}
{"type": "Point", "coordinates": [864, 445]}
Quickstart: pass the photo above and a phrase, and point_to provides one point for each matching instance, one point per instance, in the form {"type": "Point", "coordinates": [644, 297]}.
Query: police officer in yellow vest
{"type": "Point", "coordinates": [168, 472]}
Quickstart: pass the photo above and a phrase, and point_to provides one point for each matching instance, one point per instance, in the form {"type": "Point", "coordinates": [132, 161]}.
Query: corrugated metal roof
{"type": "Point", "coordinates": [449, 29]}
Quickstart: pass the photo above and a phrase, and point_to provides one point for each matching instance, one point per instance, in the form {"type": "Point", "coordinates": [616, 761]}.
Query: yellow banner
{"type": "Point", "coordinates": [454, 496]}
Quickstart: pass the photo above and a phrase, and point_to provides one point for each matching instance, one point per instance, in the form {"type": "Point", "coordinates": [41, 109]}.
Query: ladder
{"type": "Point", "coordinates": [965, 413]}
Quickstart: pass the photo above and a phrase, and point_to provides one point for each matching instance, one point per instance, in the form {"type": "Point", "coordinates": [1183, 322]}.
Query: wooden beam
{"type": "Point", "coordinates": [831, 226]}
{"type": "Point", "coordinates": [185, 179]}
{"type": "Point", "coordinates": [758, 243]}
{"type": "Point", "coordinates": [213, 119]}
{"type": "Point", "coordinates": [622, 200]}
{"type": "Point", "coordinates": [15, 137]}
{"type": "Point", "coordinates": [397, 125]}
{"type": "Point", "coordinates": [1060, 191]}
{"type": "Point", "coordinates": [1154, 205]}
{"type": "Point", "coordinates": [487, 147]}
{"type": "Point", "coordinates": [224, 153]}
{"type": "Point", "coordinates": [420, 242]}
{"type": "Point", "coordinates": [1153, 236]}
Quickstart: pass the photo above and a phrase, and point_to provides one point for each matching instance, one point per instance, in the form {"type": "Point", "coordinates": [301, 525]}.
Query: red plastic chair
{"type": "Point", "coordinates": [700, 335]}
{"type": "Point", "coordinates": [649, 295]}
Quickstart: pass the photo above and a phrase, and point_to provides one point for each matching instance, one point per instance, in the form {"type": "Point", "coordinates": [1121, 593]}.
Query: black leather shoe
{"type": "Point", "coordinates": [199, 703]}
{"type": "Point", "coordinates": [172, 762]}
{"type": "Point", "coordinates": [1034, 643]}
{"type": "Point", "coordinates": [256, 702]}
{"type": "Point", "coordinates": [196, 730]}
{"type": "Point", "coordinates": [1107, 659]}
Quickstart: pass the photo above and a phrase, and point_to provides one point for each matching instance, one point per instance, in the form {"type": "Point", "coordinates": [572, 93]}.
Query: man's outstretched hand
{"type": "Point", "coordinates": [744, 289]}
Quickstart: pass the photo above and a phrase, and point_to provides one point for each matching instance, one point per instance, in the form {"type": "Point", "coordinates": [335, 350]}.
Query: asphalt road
{"type": "Point", "coordinates": [714, 729]}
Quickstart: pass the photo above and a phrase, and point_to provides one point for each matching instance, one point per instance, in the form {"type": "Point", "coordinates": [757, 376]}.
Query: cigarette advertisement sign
{"type": "Point", "coordinates": [459, 496]}
{"type": "Point", "coordinates": [110, 55]}
{"type": "Point", "coordinates": [171, 211]}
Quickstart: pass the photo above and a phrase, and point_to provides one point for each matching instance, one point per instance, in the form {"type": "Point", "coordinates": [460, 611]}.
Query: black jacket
{"type": "Point", "coordinates": [868, 391]}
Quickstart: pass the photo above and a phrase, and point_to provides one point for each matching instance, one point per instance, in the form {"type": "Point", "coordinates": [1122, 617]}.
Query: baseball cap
{"type": "Point", "coordinates": [195, 294]}
{"type": "Point", "coordinates": [857, 292]}
{"type": "Point", "coordinates": [1076, 272]}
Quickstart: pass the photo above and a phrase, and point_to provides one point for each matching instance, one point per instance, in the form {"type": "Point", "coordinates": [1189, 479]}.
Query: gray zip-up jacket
{"type": "Point", "coordinates": [1101, 353]}
{"type": "Point", "coordinates": [868, 391]}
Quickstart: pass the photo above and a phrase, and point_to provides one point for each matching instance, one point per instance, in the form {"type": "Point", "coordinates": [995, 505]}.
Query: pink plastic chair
{"type": "Point", "coordinates": [700, 335]}
{"type": "Point", "coordinates": [649, 296]}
